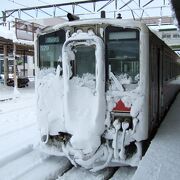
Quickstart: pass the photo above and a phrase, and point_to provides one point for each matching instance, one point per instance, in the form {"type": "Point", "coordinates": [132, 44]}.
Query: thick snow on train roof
{"type": "Point", "coordinates": [119, 22]}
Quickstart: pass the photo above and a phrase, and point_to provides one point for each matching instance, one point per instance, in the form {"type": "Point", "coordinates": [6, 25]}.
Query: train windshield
{"type": "Point", "coordinates": [50, 49]}
{"type": "Point", "coordinates": [84, 60]}
{"type": "Point", "coordinates": [123, 53]}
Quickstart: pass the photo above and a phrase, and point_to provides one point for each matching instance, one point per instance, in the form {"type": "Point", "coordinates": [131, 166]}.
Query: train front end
{"type": "Point", "coordinates": [92, 92]}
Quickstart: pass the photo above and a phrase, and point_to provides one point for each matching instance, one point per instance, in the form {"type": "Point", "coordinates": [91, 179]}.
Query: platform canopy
{"type": "Point", "coordinates": [129, 9]}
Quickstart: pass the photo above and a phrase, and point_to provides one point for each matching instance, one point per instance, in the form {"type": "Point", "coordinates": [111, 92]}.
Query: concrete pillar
{"type": "Point", "coordinates": [6, 70]}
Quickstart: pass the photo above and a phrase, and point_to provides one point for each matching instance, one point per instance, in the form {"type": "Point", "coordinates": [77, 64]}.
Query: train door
{"type": "Point", "coordinates": [84, 88]}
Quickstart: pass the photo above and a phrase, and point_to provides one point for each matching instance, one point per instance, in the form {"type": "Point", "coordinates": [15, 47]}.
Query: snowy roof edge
{"type": "Point", "coordinates": [117, 22]}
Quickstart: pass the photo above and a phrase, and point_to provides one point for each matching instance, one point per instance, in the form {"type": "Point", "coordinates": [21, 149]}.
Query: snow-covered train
{"type": "Point", "coordinates": [102, 87]}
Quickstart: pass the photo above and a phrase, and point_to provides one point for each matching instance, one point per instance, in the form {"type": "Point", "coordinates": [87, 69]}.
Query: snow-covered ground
{"type": "Point", "coordinates": [19, 136]}
{"type": "Point", "coordinates": [162, 160]}
{"type": "Point", "coordinates": [17, 119]}
{"type": "Point", "coordinates": [20, 158]}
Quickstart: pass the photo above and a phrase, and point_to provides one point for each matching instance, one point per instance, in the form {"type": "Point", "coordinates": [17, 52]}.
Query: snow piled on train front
{"type": "Point", "coordinates": [51, 109]}
{"type": "Point", "coordinates": [49, 92]}
{"type": "Point", "coordinates": [51, 116]}
{"type": "Point", "coordinates": [85, 117]}
{"type": "Point", "coordinates": [79, 106]}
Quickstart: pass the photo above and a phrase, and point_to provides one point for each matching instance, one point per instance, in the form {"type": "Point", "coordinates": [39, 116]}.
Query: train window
{"type": "Point", "coordinates": [122, 35]}
{"type": "Point", "coordinates": [123, 51]}
{"type": "Point", "coordinates": [50, 48]}
{"type": "Point", "coordinates": [84, 60]}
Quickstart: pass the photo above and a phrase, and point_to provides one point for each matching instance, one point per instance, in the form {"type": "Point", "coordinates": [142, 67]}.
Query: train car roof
{"type": "Point", "coordinates": [117, 22]}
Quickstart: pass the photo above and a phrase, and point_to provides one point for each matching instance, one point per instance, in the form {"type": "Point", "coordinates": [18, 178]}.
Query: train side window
{"type": "Point", "coordinates": [165, 68]}
{"type": "Point", "coordinates": [123, 51]}
{"type": "Point", "coordinates": [50, 48]}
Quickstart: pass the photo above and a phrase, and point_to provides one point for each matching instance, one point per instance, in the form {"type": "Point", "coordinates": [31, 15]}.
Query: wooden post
{"type": "Point", "coordinates": [15, 70]}
{"type": "Point", "coordinates": [6, 72]}
{"type": "Point", "coordinates": [24, 61]}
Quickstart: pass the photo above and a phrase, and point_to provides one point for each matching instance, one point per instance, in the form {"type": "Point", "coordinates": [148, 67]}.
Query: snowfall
{"type": "Point", "coordinates": [22, 159]}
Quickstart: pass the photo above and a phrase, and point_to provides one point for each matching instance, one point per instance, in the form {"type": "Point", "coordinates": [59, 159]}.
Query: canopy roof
{"type": "Point", "coordinates": [134, 9]}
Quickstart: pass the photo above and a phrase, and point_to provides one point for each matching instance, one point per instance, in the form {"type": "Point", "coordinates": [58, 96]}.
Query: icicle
{"type": "Point", "coordinates": [107, 120]}
{"type": "Point", "coordinates": [101, 32]}
{"type": "Point", "coordinates": [139, 149]}
{"type": "Point", "coordinates": [67, 155]}
{"type": "Point", "coordinates": [125, 125]}
{"type": "Point", "coordinates": [110, 154]}
{"type": "Point", "coordinates": [45, 136]}
{"type": "Point", "coordinates": [67, 34]}
{"type": "Point", "coordinates": [91, 32]}
{"type": "Point", "coordinates": [117, 83]}
{"type": "Point", "coordinates": [135, 121]}
{"type": "Point", "coordinates": [58, 70]}
{"type": "Point", "coordinates": [117, 126]}
{"type": "Point", "coordinates": [88, 163]}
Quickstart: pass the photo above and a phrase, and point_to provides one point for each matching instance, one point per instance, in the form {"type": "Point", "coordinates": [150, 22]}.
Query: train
{"type": "Point", "coordinates": [102, 86]}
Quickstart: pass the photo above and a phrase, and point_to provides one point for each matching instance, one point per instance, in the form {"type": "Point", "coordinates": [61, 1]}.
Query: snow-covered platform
{"type": "Point", "coordinates": [162, 160]}
{"type": "Point", "coordinates": [8, 92]}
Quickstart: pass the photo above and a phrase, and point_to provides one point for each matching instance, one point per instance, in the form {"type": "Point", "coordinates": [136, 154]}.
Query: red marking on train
{"type": "Point", "coordinates": [121, 107]}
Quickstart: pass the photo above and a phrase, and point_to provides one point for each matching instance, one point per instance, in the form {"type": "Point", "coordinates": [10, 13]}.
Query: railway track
{"type": "Point", "coordinates": [24, 161]}
{"type": "Point", "coordinates": [21, 160]}
{"type": "Point", "coordinates": [33, 164]}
